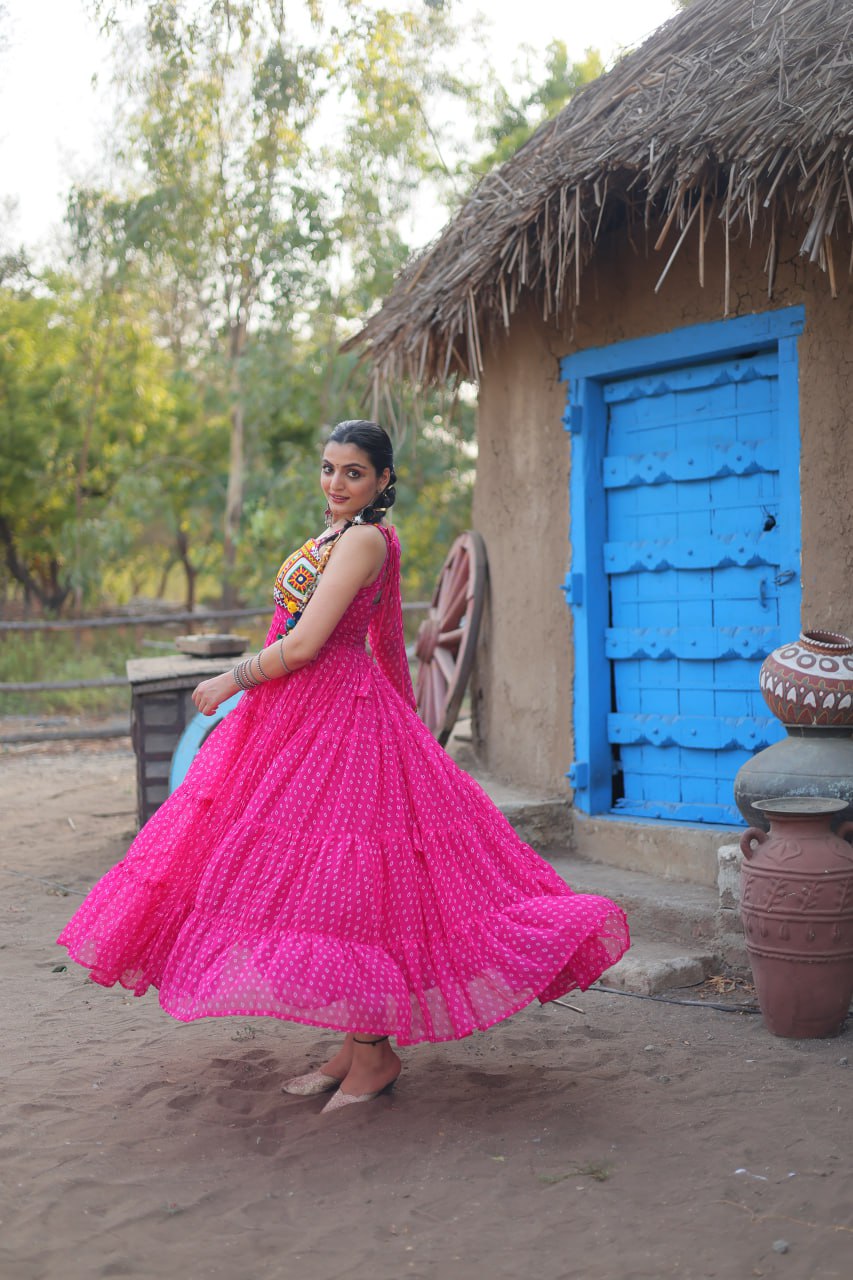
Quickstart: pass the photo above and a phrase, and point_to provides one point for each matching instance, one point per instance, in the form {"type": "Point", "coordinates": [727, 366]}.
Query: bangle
{"type": "Point", "coordinates": [240, 677]}
{"type": "Point", "coordinates": [263, 677]}
{"type": "Point", "coordinates": [243, 676]}
{"type": "Point", "coordinates": [281, 656]}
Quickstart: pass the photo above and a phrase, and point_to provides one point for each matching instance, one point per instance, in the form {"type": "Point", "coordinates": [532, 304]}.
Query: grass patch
{"type": "Point", "coordinates": [86, 655]}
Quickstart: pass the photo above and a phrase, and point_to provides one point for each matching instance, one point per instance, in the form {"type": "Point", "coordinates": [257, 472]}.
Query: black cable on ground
{"type": "Point", "coordinates": [698, 1004]}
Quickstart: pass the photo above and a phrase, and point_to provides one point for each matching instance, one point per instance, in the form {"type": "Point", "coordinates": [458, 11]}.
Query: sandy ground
{"type": "Point", "coordinates": [632, 1139]}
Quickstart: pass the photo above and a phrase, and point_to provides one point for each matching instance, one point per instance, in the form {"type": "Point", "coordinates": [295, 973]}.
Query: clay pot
{"type": "Point", "coordinates": [810, 681]}
{"type": "Point", "coordinates": [807, 762]}
{"type": "Point", "coordinates": [808, 684]}
{"type": "Point", "coordinates": [797, 911]}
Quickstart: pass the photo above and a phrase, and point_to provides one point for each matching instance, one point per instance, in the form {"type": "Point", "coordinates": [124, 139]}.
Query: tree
{"type": "Point", "coordinates": [223, 218]}
{"type": "Point", "coordinates": [240, 217]}
{"type": "Point", "coordinates": [515, 119]}
{"type": "Point", "coordinates": [81, 383]}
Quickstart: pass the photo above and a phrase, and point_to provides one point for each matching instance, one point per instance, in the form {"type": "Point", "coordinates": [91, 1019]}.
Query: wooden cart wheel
{"type": "Point", "coordinates": [447, 638]}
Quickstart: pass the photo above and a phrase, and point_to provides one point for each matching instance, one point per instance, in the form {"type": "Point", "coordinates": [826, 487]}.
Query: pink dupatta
{"type": "Point", "coordinates": [385, 631]}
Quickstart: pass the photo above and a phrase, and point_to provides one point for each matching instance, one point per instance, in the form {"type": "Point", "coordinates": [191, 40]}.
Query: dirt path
{"type": "Point", "coordinates": [631, 1140]}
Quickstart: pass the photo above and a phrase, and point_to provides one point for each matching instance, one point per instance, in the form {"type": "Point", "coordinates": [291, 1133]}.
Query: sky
{"type": "Point", "coordinates": [53, 118]}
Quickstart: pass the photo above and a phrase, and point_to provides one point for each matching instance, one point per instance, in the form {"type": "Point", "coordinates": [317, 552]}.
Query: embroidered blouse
{"type": "Point", "coordinates": [296, 580]}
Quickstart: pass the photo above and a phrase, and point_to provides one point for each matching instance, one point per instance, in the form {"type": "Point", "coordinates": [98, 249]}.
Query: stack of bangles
{"type": "Point", "coordinates": [244, 673]}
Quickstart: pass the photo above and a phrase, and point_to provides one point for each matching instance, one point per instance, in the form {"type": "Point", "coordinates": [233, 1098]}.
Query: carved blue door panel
{"type": "Point", "coordinates": [685, 530]}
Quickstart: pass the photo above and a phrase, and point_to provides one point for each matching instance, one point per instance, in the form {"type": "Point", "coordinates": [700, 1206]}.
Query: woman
{"type": "Point", "coordinates": [325, 861]}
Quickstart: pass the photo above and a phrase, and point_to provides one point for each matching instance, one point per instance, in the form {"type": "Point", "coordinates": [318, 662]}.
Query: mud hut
{"type": "Point", "coordinates": [654, 297]}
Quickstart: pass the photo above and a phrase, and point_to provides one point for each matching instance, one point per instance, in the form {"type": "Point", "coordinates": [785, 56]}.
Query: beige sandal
{"type": "Point", "coordinates": [314, 1082]}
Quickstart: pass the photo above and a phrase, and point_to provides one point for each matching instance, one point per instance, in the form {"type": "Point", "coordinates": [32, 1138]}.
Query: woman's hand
{"type": "Point", "coordinates": [210, 694]}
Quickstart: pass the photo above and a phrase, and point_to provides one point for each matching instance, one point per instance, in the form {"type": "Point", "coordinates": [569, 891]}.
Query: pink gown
{"type": "Point", "coordinates": [326, 862]}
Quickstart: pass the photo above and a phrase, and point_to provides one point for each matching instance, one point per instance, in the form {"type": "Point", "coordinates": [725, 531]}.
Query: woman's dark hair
{"type": "Point", "coordinates": [376, 443]}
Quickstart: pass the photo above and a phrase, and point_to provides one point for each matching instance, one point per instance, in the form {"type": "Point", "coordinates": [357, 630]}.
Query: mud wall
{"type": "Point", "coordinates": [522, 684]}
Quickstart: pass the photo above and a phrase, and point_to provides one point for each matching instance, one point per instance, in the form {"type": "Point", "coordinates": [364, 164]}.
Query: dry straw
{"type": "Point", "coordinates": [737, 112]}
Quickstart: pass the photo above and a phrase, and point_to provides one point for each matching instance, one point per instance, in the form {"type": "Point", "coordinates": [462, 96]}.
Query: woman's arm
{"type": "Point", "coordinates": [355, 561]}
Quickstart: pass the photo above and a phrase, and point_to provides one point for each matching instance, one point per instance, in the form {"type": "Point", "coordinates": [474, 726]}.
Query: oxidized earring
{"type": "Point", "coordinates": [328, 517]}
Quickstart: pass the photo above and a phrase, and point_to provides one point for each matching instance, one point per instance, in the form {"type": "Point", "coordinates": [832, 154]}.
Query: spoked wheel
{"type": "Point", "coordinates": [447, 638]}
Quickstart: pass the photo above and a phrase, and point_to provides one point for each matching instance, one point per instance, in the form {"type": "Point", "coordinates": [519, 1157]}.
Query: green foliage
{"type": "Point", "coordinates": [185, 360]}
{"type": "Point", "coordinates": [36, 479]}
{"type": "Point", "coordinates": [516, 119]}
{"type": "Point", "coordinates": [28, 656]}
{"type": "Point", "coordinates": [81, 390]}
{"type": "Point", "coordinates": [254, 232]}
{"type": "Point", "coordinates": [88, 655]}
{"type": "Point", "coordinates": [436, 480]}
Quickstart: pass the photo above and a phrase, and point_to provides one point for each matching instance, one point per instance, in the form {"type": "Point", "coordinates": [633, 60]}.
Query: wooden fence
{"type": "Point", "coordinates": [112, 682]}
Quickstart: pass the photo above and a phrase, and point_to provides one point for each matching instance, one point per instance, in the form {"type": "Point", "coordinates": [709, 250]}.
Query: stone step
{"type": "Point", "coordinates": [669, 911]}
{"type": "Point", "coordinates": [679, 934]}
{"type": "Point", "coordinates": [680, 931]}
{"type": "Point", "coordinates": [652, 967]}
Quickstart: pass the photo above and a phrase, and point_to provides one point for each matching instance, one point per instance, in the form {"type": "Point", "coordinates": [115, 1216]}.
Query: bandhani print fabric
{"type": "Point", "coordinates": [326, 862]}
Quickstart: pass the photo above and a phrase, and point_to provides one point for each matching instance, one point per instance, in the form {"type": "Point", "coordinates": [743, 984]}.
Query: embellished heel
{"type": "Point", "coordinates": [342, 1099]}
{"type": "Point", "coordinates": [308, 1085]}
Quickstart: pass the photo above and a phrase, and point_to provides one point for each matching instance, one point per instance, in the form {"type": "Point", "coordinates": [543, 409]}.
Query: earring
{"type": "Point", "coordinates": [362, 517]}
{"type": "Point", "coordinates": [328, 517]}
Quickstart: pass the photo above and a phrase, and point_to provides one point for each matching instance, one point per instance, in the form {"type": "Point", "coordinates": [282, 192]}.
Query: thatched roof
{"type": "Point", "coordinates": [736, 113]}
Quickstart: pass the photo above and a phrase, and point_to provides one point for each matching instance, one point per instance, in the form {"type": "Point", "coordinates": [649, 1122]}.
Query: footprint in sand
{"type": "Point", "coordinates": [488, 1079]}
{"type": "Point", "coordinates": [598, 1033]}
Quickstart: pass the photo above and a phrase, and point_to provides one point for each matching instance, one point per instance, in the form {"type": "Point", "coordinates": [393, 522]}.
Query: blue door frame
{"type": "Point", "coordinates": [586, 588]}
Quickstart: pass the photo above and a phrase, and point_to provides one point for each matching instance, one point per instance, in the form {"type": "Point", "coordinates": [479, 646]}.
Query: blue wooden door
{"type": "Point", "coordinates": [700, 504]}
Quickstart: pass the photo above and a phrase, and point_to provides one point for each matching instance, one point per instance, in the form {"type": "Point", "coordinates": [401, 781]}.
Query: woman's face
{"type": "Point", "coordinates": [349, 479]}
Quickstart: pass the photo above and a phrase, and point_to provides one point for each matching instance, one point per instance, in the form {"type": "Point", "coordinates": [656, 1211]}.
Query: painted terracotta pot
{"type": "Point", "coordinates": [797, 911]}
{"type": "Point", "coordinates": [810, 681]}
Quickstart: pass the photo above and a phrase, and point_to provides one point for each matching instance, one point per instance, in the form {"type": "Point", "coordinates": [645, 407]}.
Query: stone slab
{"type": "Point", "coordinates": [173, 671]}
{"type": "Point", "coordinates": [671, 894]}
{"type": "Point", "coordinates": [680, 851]}
{"type": "Point", "coordinates": [670, 911]}
{"type": "Point", "coordinates": [211, 645]}
{"type": "Point", "coordinates": [649, 969]}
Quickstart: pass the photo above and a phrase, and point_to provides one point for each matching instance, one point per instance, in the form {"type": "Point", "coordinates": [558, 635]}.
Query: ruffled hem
{"type": "Point", "coordinates": [437, 991]}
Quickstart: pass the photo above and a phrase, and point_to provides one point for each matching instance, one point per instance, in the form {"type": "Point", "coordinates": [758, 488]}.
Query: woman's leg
{"type": "Point", "coordinates": [363, 1066]}
{"type": "Point", "coordinates": [373, 1065]}
{"type": "Point", "coordinates": [340, 1062]}
{"type": "Point", "coordinates": [324, 1078]}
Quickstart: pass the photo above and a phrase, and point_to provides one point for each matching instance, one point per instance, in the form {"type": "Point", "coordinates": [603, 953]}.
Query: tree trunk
{"type": "Point", "coordinates": [96, 369]}
{"type": "Point", "coordinates": [236, 468]}
{"type": "Point", "coordinates": [190, 571]}
{"type": "Point", "coordinates": [164, 577]}
{"type": "Point", "coordinates": [50, 593]}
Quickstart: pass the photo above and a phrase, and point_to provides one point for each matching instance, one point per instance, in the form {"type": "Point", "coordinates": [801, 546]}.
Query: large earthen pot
{"type": "Point", "coordinates": [797, 911]}
{"type": "Point", "coordinates": [806, 762]}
